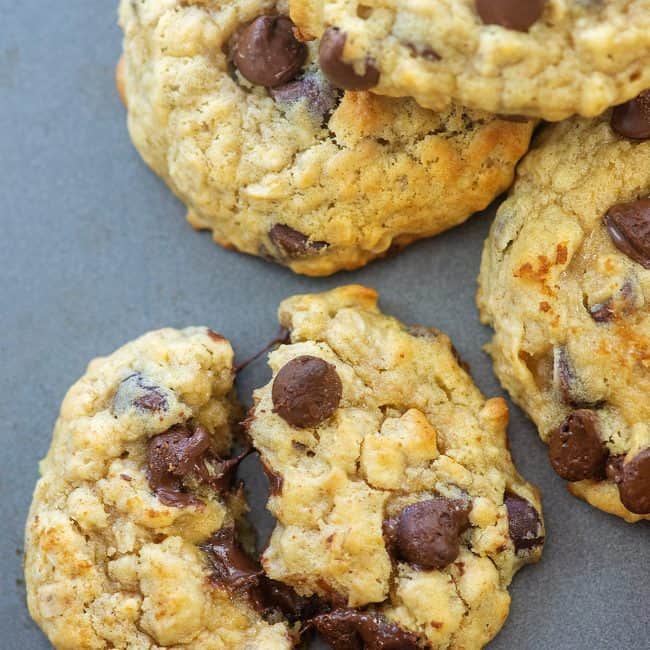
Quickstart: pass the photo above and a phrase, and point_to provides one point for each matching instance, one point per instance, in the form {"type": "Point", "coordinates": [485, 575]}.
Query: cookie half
{"type": "Point", "coordinates": [395, 495]}
{"type": "Point", "coordinates": [132, 536]}
{"type": "Point", "coordinates": [230, 106]}
{"type": "Point", "coordinates": [543, 58]}
{"type": "Point", "coordinates": [565, 283]}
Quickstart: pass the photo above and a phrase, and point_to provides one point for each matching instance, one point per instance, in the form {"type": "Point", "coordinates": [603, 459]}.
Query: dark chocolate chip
{"type": "Point", "coordinates": [570, 387]}
{"type": "Point", "coordinates": [614, 468]}
{"type": "Point", "coordinates": [292, 243]}
{"type": "Point", "coordinates": [236, 571]}
{"type": "Point", "coordinates": [350, 629]}
{"type": "Point", "coordinates": [171, 456]}
{"type": "Point", "coordinates": [426, 53]}
{"type": "Point", "coordinates": [575, 448]}
{"type": "Point", "coordinates": [428, 532]}
{"type": "Point", "coordinates": [628, 225]}
{"type": "Point", "coordinates": [282, 338]}
{"type": "Point", "coordinates": [275, 480]}
{"type": "Point", "coordinates": [634, 487]}
{"type": "Point", "coordinates": [267, 51]}
{"type": "Point", "coordinates": [632, 119]}
{"type": "Point", "coordinates": [511, 14]}
{"type": "Point", "coordinates": [232, 568]}
{"type": "Point", "coordinates": [184, 451]}
{"type": "Point", "coordinates": [320, 97]}
{"type": "Point", "coordinates": [622, 302]}
{"type": "Point", "coordinates": [524, 525]}
{"type": "Point", "coordinates": [343, 75]}
{"type": "Point", "coordinates": [215, 336]}
{"type": "Point", "coordinates": [138, 392]}
{"type": "Point", "coordinates": [306, 391]}
{"type": "Point", "coordinates": [602, 312]}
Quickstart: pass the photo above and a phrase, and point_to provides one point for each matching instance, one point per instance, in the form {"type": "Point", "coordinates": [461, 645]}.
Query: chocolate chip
{"type": "Point", "coordinates": [614, 468]}
{"type": "Point", "coordinates": [634, 487]}
{"type": "Point", "coordinates": [602, 312]}
{"type": "Point", "coordinates": [524, 525]}
{"type": "Point", "coordinates": [622, 302]}
{"type": "Point", "coordinates": [268, 53]}
{"type": "Point", "coordinates": [511, 14]}
{"type": "Point", "coordinates": [231, 566]}
{"type": "Point", "coordinates": [275, 480]}
{"type": "Point", "coordinates": [632, 119]}
{"type": "Point", "coordinates": [292, 243]}
{"type": "Point", "coordinates": [575, 449]}
{"type": "Point", "coordinates": [215, 336]}
{"type": "Point", "coordinates": [426, 52]}
{"type": "Point", "coordinates": [283, 337]}
{"type": "Point", "coordinates": [233, 569]}
{"type": "Point", "coordinates": [427, 533]}
{"type": "Point", "coordinates": [181, 452]}
{"type": "Point", "coordinates": [138, 392]}
{"type": "Point", "coordinates": [350, 629]}
{"type": "Point", "coordinates": [343, 75]}
{"type": "Point", "coordinates": [171, 456]}
{"type": "Point", "coordinates": [320, 97]}
{"type": "Point", "coordinates": [306, 391]}
{"type": "Point", "coordinates": [628, 225]}
{"type": "Point", "coordinates": [569, 385]}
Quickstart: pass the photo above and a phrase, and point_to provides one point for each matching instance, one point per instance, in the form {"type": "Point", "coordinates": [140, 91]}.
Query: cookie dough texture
{"type": "Point", "coordinates": [569, 309]}
{"type": "Point", "coordinates": [376, 173]}
{"type": "Point", "coordinates": [410, 426]}
{"type": "Point", "coordinates": [107, 564]}
{"type": "Point", "coordinates": [579, 57]}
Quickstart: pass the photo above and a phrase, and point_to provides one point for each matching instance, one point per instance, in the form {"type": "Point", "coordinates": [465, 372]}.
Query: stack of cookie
{"type": "Point", "coordinates": [322, 135]}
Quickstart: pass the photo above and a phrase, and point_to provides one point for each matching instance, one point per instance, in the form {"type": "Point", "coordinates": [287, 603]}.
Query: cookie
{"type": "Point", "coordinates": [131, 540]}
{"type": "Point", "coordinates": [565, 283]}
{"type": "Point", "coordinates": [395, 495]}
{"type": "Point", "coordinates": [231, 108]}
{"type": "Point", "coordinates": [543, 58]}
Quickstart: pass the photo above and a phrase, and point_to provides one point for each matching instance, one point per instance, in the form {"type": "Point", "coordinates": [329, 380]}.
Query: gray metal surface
{"type": "Point", "coordinates": [95, 251]}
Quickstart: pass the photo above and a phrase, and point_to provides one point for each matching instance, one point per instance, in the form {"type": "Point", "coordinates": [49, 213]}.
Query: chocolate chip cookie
{"type": "Point", "coordinates": [565, 283]}
{"type": "Point", "coordinates": [396, 498]}
{"type": "Point", "coordinates": [231, 107]}
{"type": "Point", "coordinates": [132, 537]}
{"type": "Point", "coordinates": [543, 58]}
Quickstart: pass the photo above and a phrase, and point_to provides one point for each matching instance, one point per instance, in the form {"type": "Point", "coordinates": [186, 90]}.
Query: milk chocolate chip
{"type": "Point", "coordinates": [632, 119]}
{"type": "Point", "coordinates": [634, 487]}
{"type": "Point", "coordinates": [628, 225]}
{"type": "Point", "coordinates": [268, 53]}
{"type": "Point", "coordinates": [524, 525]}
{"type": "Point", "coordinates": [511, 14]}
{"type": "Point", "coordinates": [575, 449]}
{"type": "Point", "coordinates": [292, 243]}
{"type": "Point", "coordinates": [350, 629]}
{"type": "Point", "coordinates": [306, 391]}
{"type": "Point", "coordinates": [427, 533]}
{"type": "Point", "coordinates": [138, 392]}
{"type": "Point", "coordinates": [343, 75]}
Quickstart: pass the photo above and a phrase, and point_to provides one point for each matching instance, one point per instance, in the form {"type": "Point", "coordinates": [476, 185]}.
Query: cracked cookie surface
{"type": "Point", "coordinates": [395, 495]}
{"type": "Point", "coordinates": [543, 58]}
{"type": "Point", "coordinates": [235, 114]}
{"type": "Point", "coordinates": [134, 485]}
{"type": "Point", "coordinates": [565, 283]}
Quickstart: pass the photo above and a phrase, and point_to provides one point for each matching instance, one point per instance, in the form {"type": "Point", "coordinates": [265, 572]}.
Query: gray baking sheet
{"type": "Point", "coordinates": [96, 251]}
